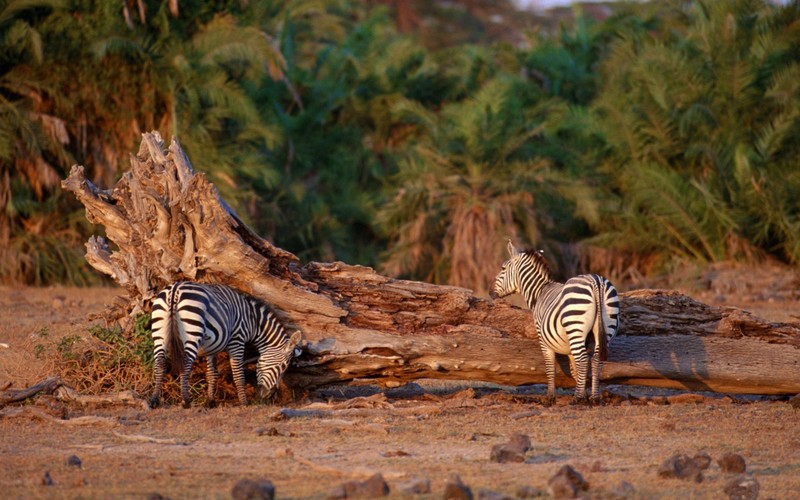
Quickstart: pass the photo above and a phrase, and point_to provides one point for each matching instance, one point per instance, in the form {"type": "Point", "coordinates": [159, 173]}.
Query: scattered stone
{"type": "Point", "coordinates": [526, 414]}
{"type": "Point", "coordinates": [512, 451]}
{"type": "Point", "coordinates": [732, 463]}
{"type": "Point", "coordinates": [58, 303]}
{"type": "Point", "coordinates": [253, 489]}
{"type": "Point", "coordinates": [794, 401]}
{"type": "Point", "coordinates": [623, 490]}
{"type": "Point", "coordinates": [530, 492]}
{"type": "Point", "coordinates": [520, 441]}
{"type": "Point", "coordinates": [156, 496]}
{"type": "Point", "coordinates": [503, 454]}
{"type": "Point", "coordinates": [395, 453]}
{"type": "Point", "coordinates": [418, 486]}
{"type": "Point", "coordinates": [455, 489]}
{"type": "Point", "coordinates": [484, 494]}
{"type": "Point", "coordinates": [74, 461]}
{"type": "Point", "coordinates": [702, 460]}
{"type": "Point", "coordinates": [566, 483]}
{"type": "Point", "coordinates": [46, 479]}
{"type": "Point", "coordinates": [742, 487]}
{"type": "Point", "coordinates": [272, 431]}
{"type": "Point", "coordinates": [373, 487]}
{"type": "Point", "coordinates": [681, 467]}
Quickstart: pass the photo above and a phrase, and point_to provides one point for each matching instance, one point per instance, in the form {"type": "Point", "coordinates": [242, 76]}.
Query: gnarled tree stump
{"type": "Point", "coordinates": [169, 223]}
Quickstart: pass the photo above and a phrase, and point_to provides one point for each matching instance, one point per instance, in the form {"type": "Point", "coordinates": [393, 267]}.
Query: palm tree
{"type": "Point", "coordinates": [469, 183]}
{"type": "Point", "coordinates": [702, 116]}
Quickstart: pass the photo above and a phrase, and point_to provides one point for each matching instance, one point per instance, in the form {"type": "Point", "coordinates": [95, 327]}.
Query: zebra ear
{"type": "Point", "coordinates": [293, 341]}
{"type": "Point", "coordinates": [511, 250]}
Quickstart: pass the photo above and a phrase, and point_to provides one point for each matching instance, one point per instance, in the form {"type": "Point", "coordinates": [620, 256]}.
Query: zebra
{"type": "Point", "coordinates": [565, 314]}
{"type": "Point", "coordinates": [191, 319]}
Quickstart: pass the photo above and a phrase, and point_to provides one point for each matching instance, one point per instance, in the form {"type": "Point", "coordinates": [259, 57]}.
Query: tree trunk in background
{"type": "Point", "coordinates": [169, 223]}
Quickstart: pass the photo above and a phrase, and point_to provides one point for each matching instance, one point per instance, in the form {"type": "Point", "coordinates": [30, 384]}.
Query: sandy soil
{"type": "Point", "coordinates": [427, 431]}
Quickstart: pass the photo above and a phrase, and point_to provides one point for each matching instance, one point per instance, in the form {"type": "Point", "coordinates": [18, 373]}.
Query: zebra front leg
{"type": "Point", "coordinates": [550, 369]}
{"type": "Point", "coordinates": [212, 375]}
{"type": "Point", "coordinates": [237, 369]}
{"type": "Point", "coordinates": [159, 367]}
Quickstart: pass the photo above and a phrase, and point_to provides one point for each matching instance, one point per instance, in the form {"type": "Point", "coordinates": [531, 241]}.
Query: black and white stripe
{"type": "Point", "coordinates": [191, 320]}
{"type": "Point", "coordinates": [565, 314]}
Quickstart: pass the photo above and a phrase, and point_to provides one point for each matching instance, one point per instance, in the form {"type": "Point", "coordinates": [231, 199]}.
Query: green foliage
{"type": "Point", "coordinates": [135, 348]}
{"type": "Point", "coordinates": [347, 130]}
{"type": "Point", "coordinates": [702, 120]}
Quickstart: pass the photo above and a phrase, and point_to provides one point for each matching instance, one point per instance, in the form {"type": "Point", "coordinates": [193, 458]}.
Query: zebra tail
{"type": "Point", "coordinates": [602, 339]}
{"type": "Point", "coordinates": [174, 341]}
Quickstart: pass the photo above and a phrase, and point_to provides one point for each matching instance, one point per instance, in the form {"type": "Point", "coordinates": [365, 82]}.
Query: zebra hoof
{"type": "Point", "coordinates": [154, 402]}
{"type": "Point", "coordinates": [579, 401]}
{"type": "Point", "coordinates": [548, 401]}
{"type": "Point", "coordinates": [596, 401]}
{"type": "Point", "coordinates": [211, 403]}
{"type": "Point", "coordinates": [187, 404]}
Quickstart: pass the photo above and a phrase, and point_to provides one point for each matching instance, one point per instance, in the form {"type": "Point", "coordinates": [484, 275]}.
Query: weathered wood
{"type": "Point", "coordinates": [169, 223]}
{"type": "Point", "coordinates": [47, 386]}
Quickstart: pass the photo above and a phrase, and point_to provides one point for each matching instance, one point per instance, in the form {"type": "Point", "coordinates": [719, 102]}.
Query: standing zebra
{"type": "Point", "coordinates": [192, 319]}
{"type": "Point", "coordinates": [565, 314]}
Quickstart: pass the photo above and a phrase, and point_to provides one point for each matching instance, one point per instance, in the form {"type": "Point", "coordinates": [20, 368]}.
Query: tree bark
{"type": "Point", "coordinates": [169, 223]}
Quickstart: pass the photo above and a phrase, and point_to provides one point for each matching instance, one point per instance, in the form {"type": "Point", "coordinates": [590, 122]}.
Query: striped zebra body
{"type": "Point", "coordinates": [569, 316]}
{"type": "Point", "coordinates": [190, 320]}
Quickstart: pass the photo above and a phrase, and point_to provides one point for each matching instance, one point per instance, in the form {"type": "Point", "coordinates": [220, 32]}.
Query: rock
{"type": "Point", "coordinates": [566, 483]}
{"type": "Point", "coordinates": [512, 451]}
{"type": "Point", "coordinates": [501, 453]}
{"type": "Point", "coordinates": [530, 492]}
{"type": "Point", "coordinates": [373, 487]}
{"type": "Point", "coordinates": [418, 486]}
{"type": "Point", "coordinates": [520, 441]}
{"type": "Point", "coordinates": [46, 479]}
{"type": "Point", "coordinates": [702, 460]}
{"type": "Point", "coordinates": [272, 431]}
{"type": "Point", "coordinates": [253, 489]}
{"type": "Point", "coordinates": [732, 463]}
{"type": "Point", "coordinates": [484, 494]}
{"type": "Point", "coordinates": [742, 487]}
{"type": "Point", "coordinates": [794, 401]}
{"type": "Point", "coordinates": [681, 467]}
{"type": "Point", "coordinates": [623, 490]}
{"type": "Point", "coordinates": [156, 496]}
{"type": "Point", "coordinates": [58, 303]}
{"type": "Point", "coordinates": [454, 489]}
{"type": "Point", "coordinates": [74, 461]}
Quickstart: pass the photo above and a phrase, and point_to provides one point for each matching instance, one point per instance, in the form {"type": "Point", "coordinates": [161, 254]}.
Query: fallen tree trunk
{"type": "Point", "coordinates": [169, 223]}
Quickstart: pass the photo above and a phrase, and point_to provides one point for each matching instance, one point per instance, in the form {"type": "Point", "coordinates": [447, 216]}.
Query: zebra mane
{"type": "Point", "coordinates": [538, 259]}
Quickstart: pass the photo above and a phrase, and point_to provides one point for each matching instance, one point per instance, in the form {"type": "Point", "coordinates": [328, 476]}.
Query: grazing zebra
{"type": "Point", "coordinates": [192, 319]}
{"type": "Point", "coordinates": [565, 314]}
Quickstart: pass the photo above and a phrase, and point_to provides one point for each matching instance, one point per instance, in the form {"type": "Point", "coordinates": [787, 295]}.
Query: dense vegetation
{"type": "Point", "coordinates": [664, 132]}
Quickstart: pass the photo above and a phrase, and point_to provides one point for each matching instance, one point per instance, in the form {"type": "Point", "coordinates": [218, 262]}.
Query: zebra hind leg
{"type": "Point", "coordinates": [159, 367]}
{"type": "Point", "coordinates": [597, 366]}
{"type": "Point", "coordinates": [581, 367]}
{"type": "Point", "coordinates": [185, 372]}
{"type": "Point", "coordinates": [212, 375]}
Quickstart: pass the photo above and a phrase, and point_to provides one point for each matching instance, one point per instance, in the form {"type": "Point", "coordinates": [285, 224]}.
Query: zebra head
{"type": "Point", "coordinates": [519, 267]}
{"type": "Point", "coordinates": [269, 379]}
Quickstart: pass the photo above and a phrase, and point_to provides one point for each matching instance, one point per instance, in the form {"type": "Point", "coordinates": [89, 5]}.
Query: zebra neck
{"type": "Point", "coordinates": [533, 292]}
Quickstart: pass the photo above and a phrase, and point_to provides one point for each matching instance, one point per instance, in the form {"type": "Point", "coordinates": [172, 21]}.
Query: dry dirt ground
{"type": "Point", "coordinates": [428, 431]}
